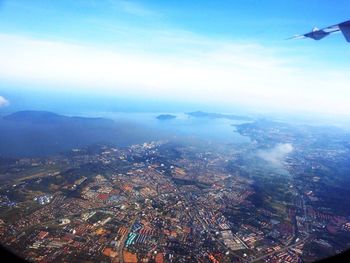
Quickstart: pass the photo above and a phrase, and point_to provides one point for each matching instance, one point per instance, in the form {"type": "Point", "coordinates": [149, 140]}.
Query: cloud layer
{"type": "Point", "coordinates": [276, 155]}
{"type": "Point", "coordinates": [179, 66]}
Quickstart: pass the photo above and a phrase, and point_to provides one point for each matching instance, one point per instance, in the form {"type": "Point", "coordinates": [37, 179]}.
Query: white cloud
{"type": "Point", "coordinates": [190, 68]}
{"type": "Point", "coordinates": [277, 154]}
{"type": "Point", "coordinates": [3, 101]}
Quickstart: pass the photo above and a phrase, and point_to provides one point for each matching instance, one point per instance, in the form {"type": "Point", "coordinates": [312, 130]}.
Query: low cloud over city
{"type": "Point", "coordinates": [277, 154]}
{"type": "Point", "coordinates": [3, 101]}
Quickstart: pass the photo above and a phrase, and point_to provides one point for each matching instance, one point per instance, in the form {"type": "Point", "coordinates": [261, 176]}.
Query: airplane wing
{"type": "Point", "coordinates": [318, 34]}
{"type": "Point", "coordinates": [345, 29]}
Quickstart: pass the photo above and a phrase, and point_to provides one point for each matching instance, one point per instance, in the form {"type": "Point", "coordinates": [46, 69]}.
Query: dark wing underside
{"type": "Point", "coordinates": [345, 29]}
{"type": "Point", "coordinates": [317, 35]}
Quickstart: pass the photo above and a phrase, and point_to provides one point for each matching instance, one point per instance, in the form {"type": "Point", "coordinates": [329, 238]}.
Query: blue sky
{"type": "Point", "coordinates": [218, 53]}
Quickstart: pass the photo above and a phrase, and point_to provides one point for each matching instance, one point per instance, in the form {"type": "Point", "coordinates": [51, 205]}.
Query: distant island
{"type": "Point", "coordinates": [208, 115]}
{"type": "Point", "coordinates": [164, 117]}
{"type": "Point", "coordinates": [40, 133]}
{"type": "Point", "coordinates": [46, 117]}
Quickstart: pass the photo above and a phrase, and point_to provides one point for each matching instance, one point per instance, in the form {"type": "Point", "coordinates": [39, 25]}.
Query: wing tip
{"type": "Point", "coordinates": [295, 37]}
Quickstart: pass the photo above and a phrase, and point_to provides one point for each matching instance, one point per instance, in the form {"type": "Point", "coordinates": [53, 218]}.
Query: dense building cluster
{"type": "Point", "coordinates": [166, 202]}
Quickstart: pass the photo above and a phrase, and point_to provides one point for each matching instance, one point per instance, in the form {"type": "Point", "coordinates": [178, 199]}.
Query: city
{"type": "Point", "coordinates": [164, 201]}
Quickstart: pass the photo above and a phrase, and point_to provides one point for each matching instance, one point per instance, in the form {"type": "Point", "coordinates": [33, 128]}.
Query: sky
{"type": "Point", "coordinates": [221, 54]}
